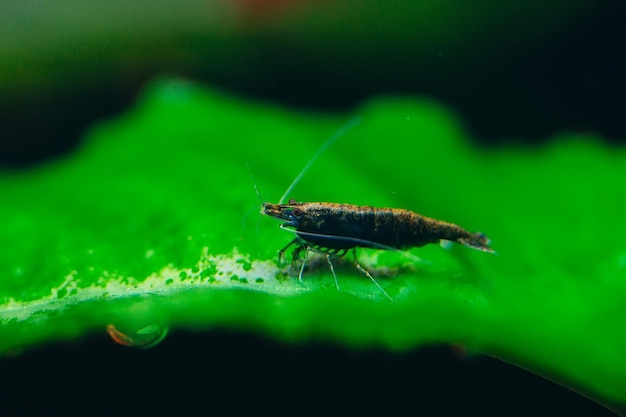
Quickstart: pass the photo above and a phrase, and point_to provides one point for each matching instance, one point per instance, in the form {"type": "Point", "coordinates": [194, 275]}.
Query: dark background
{"type": "Point", "coordinates": [522, 91]}
{"type": "Point", "coordinates": [227, 373]}
{"type": "Point", "coordinates": [571, 81]}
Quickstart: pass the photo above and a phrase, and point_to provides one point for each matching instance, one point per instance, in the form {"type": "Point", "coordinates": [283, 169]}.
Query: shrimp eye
{"type": "Point", "coordinates": [296, 212]}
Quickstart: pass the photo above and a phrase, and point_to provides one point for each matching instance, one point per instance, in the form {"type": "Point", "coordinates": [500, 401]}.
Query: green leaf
{"type": "Point", "coordinates": [154, 223]}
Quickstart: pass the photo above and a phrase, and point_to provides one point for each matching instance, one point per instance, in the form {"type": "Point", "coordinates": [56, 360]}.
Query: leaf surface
{"type": "Point", "coordinates": [154, 223]}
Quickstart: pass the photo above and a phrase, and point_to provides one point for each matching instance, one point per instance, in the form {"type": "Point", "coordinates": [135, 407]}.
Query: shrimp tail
{"type": "Point", "coordinates": [476, 241]}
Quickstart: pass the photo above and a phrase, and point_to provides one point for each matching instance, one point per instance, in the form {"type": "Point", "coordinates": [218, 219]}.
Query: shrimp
{"type": "Point", "coordinates": [334, 229]}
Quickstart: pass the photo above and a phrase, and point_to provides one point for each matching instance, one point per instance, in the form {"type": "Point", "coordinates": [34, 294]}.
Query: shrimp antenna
{"type": "Point", "coordinates": [338, 133]}
{"type": "Point", "coordinates": [256, 189]}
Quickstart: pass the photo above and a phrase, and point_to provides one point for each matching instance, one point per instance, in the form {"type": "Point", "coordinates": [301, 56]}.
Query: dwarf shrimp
{"type": "Point", "coordinates": [334, 229]}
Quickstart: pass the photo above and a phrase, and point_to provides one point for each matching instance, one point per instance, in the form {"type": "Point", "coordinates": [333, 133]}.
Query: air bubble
{"type": "Point", "coordinates": [143, 338]}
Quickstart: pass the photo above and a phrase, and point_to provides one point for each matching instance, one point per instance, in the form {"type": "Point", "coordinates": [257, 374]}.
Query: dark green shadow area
{"type": "Point", "coordinates": [155, 223]}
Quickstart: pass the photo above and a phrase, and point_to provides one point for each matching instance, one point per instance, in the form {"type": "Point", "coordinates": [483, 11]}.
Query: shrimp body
{"type": "Point", "coordinates": [336, 228]}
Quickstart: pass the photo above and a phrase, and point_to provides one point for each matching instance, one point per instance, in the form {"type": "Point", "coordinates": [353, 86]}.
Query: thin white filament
{"type": "Point", "coordinates": [332, 269]}
{"type": "Point", "coordinates": [367, 274]}
{"type": "Point", "coordinates": [340, 132]}
{"type": "Point", "coordinates": [256, 189]}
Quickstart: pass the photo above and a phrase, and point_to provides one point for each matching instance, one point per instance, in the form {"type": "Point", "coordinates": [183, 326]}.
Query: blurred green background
{"type": "Point", "coordinates": [515, 72]}
{"type": "Point", "coordinates": [520, 70]}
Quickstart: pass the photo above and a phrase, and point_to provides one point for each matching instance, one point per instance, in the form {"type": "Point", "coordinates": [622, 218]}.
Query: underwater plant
{"type": "Point", "coordinates": [152, 224]}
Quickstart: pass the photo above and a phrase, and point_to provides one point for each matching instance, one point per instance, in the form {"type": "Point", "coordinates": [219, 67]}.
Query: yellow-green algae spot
{"type": "Point", "coordinates": [174, 166]}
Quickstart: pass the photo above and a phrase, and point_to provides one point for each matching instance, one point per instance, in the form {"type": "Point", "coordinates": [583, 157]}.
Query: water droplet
{"type": "Point", "coordinates": [143, 338]}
